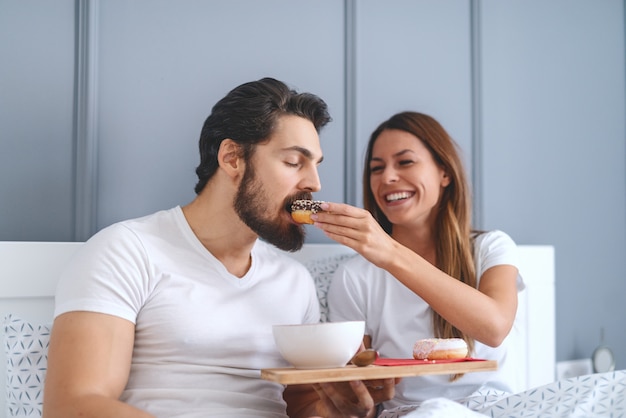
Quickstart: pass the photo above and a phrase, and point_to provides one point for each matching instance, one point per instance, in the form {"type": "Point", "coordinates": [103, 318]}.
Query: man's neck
{"type": "Point", "coordinates": [221, 232]}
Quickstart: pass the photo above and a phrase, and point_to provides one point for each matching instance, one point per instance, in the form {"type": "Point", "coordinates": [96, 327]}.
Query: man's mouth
{"type": "Point", "coordinates": [301, 196]}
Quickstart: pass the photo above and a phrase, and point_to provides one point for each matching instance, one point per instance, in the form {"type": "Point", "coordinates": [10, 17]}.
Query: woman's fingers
{"type": "Point", "coordinates": [346, 220]}
{"type": "Point", "coordinates": [343, 209]}
{"type": "Point", "coordinates": [355, 228]}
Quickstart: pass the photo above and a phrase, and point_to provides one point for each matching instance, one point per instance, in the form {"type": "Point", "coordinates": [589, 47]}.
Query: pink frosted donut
{"type": "Point", "coordinates": [439, 349]}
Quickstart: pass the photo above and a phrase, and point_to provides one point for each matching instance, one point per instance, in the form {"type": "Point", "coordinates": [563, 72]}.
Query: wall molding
{"type": "Point", "coordinates": [477, 134]}
{"type": "Point", "coordinates": [350, 176]}
{"type": "Point", "coordinates": [86, 120]}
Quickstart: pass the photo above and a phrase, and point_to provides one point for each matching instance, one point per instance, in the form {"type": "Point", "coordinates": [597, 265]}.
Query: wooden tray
{"type": "Point", "coordinates": [290, 375]}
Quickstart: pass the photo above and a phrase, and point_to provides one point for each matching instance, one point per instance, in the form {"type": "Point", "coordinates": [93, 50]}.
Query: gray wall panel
{"type": "Point", "coordinates": [413, 56]}
{"type": "Point", "coordinates": [161, 69]}
{"type": "Point", "coordinates": [554, 153]}
{"type": "Point", "coordinates": [36, 108]}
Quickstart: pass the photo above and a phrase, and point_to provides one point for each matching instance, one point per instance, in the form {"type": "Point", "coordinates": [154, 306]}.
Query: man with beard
{"type": "Point", "coordinates": [170, 315]}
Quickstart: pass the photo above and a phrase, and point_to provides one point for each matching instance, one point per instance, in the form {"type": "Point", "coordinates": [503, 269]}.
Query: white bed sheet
{"type": "Point", "coordinates": [590, 396]}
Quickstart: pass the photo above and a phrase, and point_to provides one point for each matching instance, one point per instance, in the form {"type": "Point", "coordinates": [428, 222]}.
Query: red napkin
{"type": "Point", "coordinates": [411, 362]}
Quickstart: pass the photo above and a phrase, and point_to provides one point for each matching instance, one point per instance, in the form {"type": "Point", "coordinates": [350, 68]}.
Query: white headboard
{"type": "Point", "coordinates": [28, 276]}
{"type": "Point", "coordinates": [536, 316]}
{"type": "Point", "coordinates": [29, 271]}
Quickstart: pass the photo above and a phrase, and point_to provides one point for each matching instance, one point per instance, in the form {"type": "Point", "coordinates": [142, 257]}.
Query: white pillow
{"type": "Point", "coordinates": [322, 270]}
{"type": "Point", "coordinates": [26, 347]}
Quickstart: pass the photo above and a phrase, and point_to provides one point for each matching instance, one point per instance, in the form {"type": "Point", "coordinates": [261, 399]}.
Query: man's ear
{"type": "Point", "coordinates": [229, 157]}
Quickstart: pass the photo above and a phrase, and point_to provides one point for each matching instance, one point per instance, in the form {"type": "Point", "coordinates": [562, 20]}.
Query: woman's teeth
{"type": "Point", "coordinates": [397, 196]}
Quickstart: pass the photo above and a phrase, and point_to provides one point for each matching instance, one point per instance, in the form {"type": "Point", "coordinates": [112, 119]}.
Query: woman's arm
{"type": "Point", "coordinates": [485, 314]}
{"type": "Point", "coordinates": [88, 366]}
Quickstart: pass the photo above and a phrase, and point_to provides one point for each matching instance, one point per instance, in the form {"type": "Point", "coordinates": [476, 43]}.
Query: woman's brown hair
{"type": "Point", "coordinates": [454, 243]}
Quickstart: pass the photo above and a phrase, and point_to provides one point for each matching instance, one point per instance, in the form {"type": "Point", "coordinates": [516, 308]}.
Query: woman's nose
{"type": "Point", "coordinates": [389, 175]}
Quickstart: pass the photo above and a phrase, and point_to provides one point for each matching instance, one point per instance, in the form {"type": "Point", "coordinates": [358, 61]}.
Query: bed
{"type": "Point", "coordinates": [28, 272]}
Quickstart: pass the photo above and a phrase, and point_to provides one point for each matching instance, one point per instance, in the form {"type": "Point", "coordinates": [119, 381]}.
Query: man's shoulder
{"type": "Point", "coordinates": [166, 216]}
{"type": "Point", "coordinates": [136, 229]}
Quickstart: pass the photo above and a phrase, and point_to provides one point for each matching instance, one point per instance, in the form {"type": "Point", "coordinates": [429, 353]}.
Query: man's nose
{"type": "Point", "coordinates": [311, 181]}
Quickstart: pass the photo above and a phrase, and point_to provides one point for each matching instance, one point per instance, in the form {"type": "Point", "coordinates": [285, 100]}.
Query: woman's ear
{"type": "Point", "coordinates": [229, 157]}
{"type": "Point", "coordinates": [445, 179]}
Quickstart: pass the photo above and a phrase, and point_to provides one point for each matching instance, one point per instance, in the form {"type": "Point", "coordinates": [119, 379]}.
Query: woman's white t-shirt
{"type": "Point", "coordinates": [202, 334]}
{"type": "Point", "coordinates": [396, 317]}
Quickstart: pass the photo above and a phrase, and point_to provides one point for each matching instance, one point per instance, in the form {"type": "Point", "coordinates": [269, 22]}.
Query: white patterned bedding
{"type": "Point", "coordinates": [591, 396]}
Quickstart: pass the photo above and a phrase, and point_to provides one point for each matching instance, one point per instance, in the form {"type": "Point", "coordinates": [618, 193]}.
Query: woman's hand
{"type": "Point", "coordinates": [356, 228]}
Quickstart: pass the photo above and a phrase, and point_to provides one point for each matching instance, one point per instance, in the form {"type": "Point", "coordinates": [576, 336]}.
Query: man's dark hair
{"type": "Point", "coordinates": [248, 115]}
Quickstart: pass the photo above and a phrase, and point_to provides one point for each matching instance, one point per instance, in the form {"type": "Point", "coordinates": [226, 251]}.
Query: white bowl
{"type": "Point", "coordinates": [321, 345]}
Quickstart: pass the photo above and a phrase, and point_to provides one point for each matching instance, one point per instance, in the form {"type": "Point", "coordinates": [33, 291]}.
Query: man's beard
{"type": "Point", "coordinates": [252, 203]}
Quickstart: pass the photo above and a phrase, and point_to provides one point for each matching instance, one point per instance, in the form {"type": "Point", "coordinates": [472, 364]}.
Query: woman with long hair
{"type": "Point", "coordinates": [422, 271]}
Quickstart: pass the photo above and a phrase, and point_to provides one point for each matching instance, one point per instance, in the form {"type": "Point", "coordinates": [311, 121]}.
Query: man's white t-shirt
{"type": "Point", "coordinates": [395, 318]}
{"type": "Point", "coordinates": [201, 334]}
